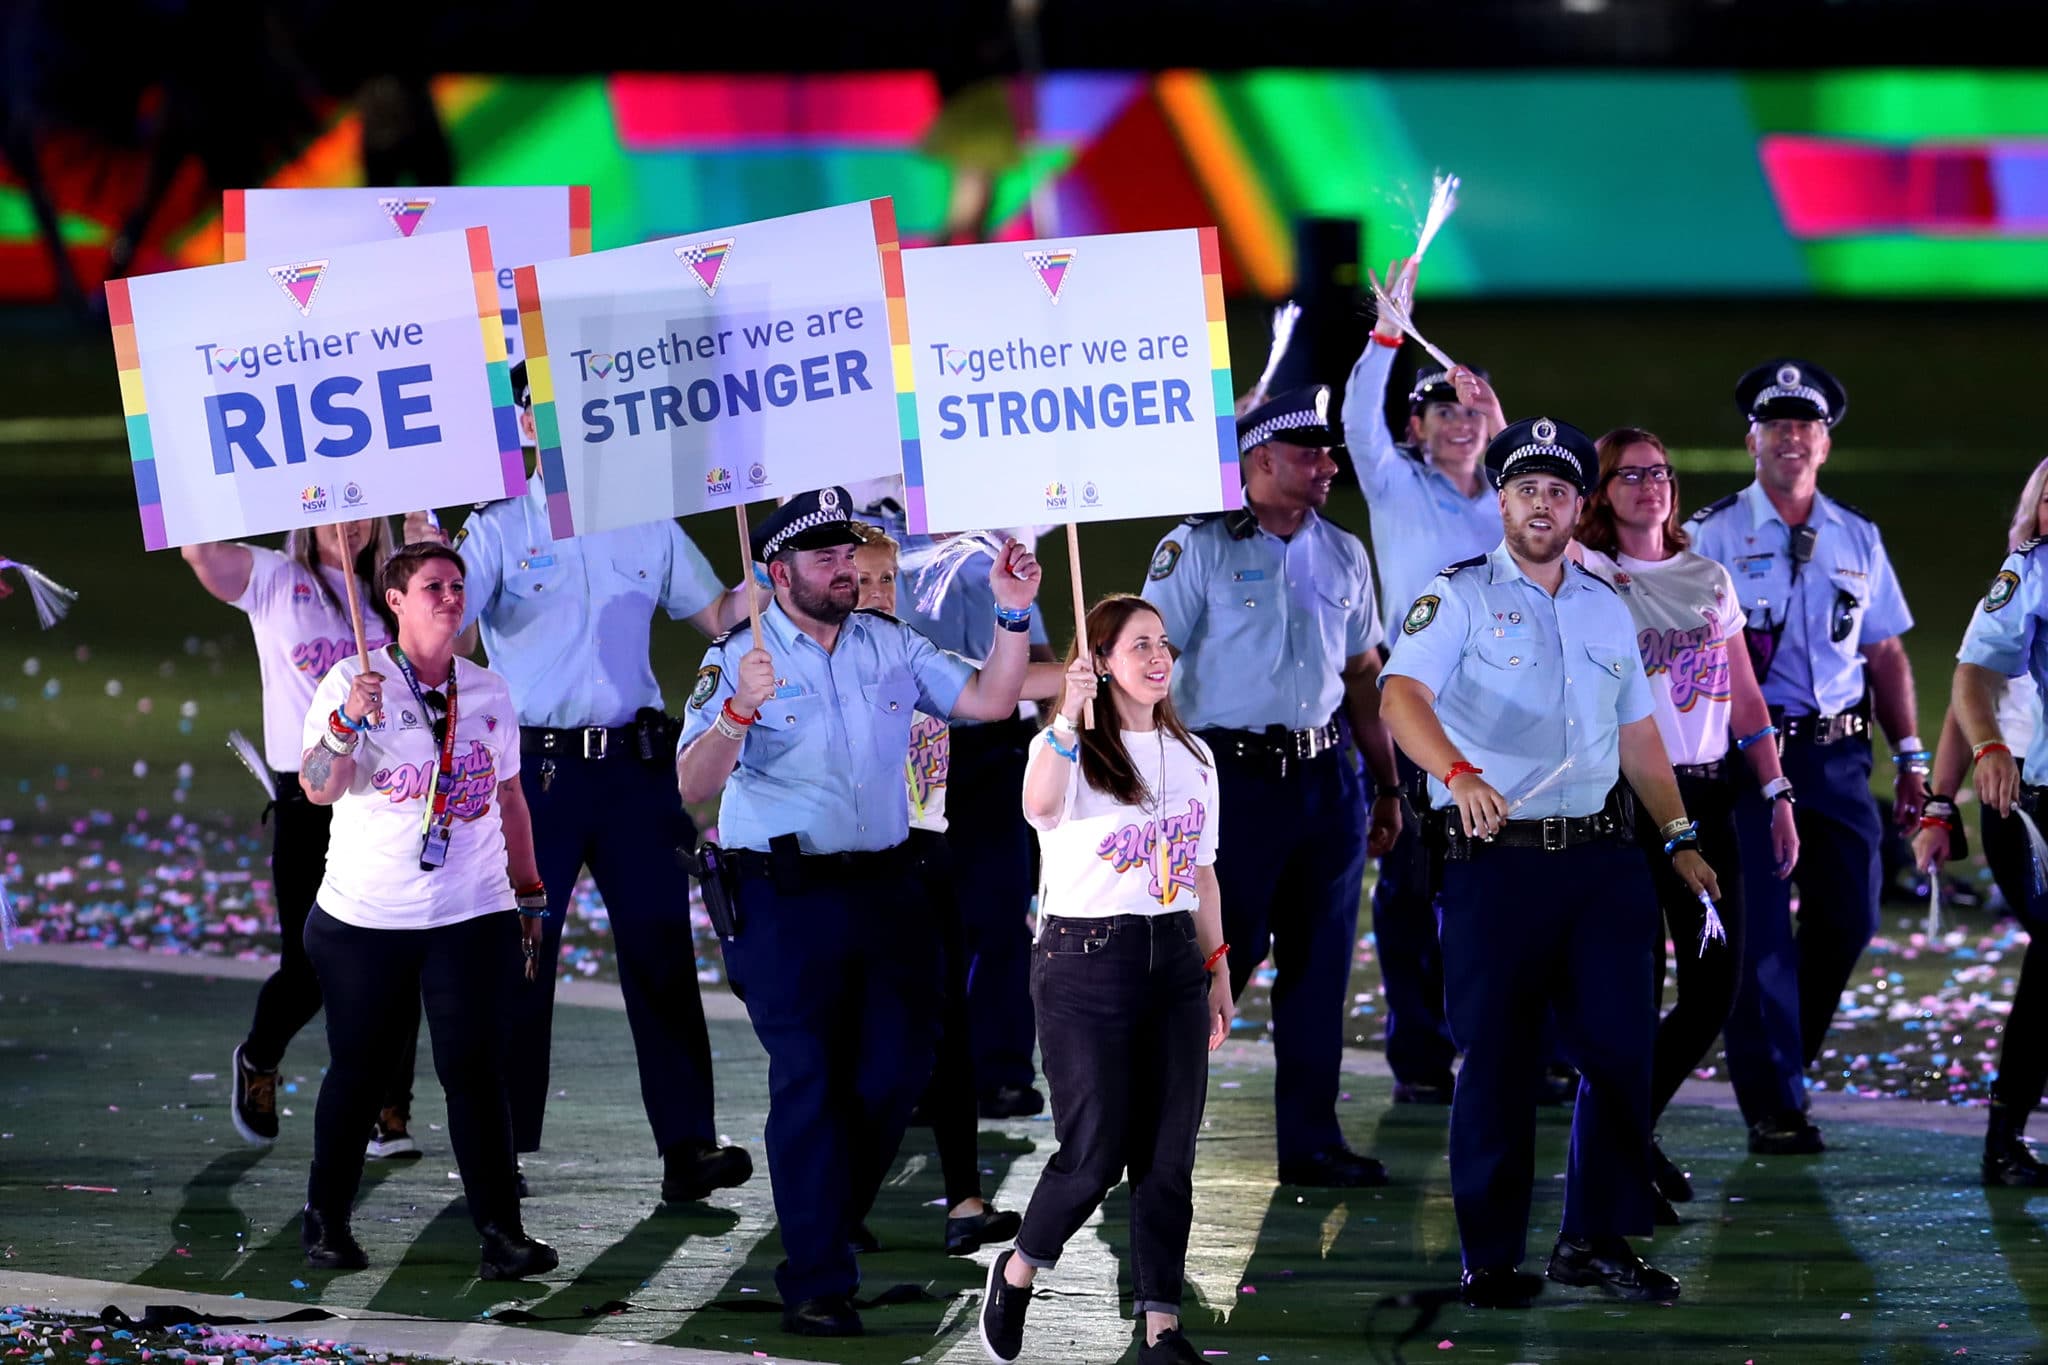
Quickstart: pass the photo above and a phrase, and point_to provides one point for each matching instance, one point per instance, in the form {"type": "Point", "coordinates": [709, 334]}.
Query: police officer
{"type": "Point", "coordinates": [1273, 609]}
{"type": "Point", "coordinates": [1825, 615]}
{"type": "Point", "coordinates": [1431, 506]}
{"type": "Point", "coordinates": [834, 951]}
{"type": "Point", "coordinates": [1515, 686]}
{"type": "Point", "coordinates": [567, 623]}
{"type": "Point", "coordinates": [985, 826]}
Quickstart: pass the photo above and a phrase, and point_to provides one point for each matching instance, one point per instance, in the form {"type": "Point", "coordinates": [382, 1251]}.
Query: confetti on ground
{"type": "Point", "coordinates": [47, 1338]}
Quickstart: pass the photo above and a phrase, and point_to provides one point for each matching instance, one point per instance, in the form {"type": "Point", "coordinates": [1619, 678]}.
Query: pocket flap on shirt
{"type": "Point", "coordinates": [896, 694]}
{"type": "Point", "coordinates": [1611, 661]}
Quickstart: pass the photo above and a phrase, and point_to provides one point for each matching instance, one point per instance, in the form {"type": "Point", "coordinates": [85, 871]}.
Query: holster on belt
{"type": "Point", "coordinates": [655, 733]}
{"type": "Point", "coordinates": [708, 865]}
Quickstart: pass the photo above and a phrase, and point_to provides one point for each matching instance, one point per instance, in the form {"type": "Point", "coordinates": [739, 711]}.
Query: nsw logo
{"type": "Point", "coordinates": [706, 262]}
{"type": "Point", "coordinates": [1055, 495]}
{"type": "Point", "coordinates": [312, 498]}
{"type": "Point", "coordinates": [301, 282]}
{"type": "Point", "coordinates": [718, 479]}
{"type": "Point", "coordinates": [1090, 495]}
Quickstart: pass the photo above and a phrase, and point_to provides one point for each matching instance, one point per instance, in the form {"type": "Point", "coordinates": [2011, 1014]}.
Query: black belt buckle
{"type": "Point", "coordinates": [1555, 832]}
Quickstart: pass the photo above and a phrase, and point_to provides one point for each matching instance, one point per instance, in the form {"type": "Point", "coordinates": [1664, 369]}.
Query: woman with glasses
{"type": "Point", "coordinates": [1688, 630]}
{"type": "Point", "coordinates": [1124, 973]}
{"type": "Point", "coordinates": [431, 850]}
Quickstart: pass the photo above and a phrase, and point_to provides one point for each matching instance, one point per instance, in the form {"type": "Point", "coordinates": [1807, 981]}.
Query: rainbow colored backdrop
{"type": "Point", "coordinates": [1866, 182]}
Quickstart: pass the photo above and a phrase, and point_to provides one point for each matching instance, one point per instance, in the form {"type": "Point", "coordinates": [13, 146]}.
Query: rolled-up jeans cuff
{"type": "Point", "coordinates": [1143, 1306]}
{"type": "Point", "coordinates": [1037, 1262]}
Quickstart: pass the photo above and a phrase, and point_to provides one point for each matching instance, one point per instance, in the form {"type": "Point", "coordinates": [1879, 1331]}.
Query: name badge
{"type": "Point", "coordinates": [788, 690]}
{"type": "Point", "coordinates": [1755, 566]}
{"type": "Point", "coordinates": [434, 847]}
{"type": "Point", "coordinates": [538, 562]}
{"type": "Point", "coordinates": [1249, 576]}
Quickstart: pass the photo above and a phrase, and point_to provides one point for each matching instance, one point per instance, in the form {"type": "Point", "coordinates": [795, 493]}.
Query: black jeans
{"type": "Point", "coordinates": [291, 995]}
{"type": "Point", "coordinates": [1123, 1033]}
{"type": "Point", "coordinates": [1706, 981]}
{"type": "Point", "coordinates": [2023, 1048]}
{"type": "Point", "coordinates": [374, 981]}
{"type": "Point", "coordinates": [950, 1096]}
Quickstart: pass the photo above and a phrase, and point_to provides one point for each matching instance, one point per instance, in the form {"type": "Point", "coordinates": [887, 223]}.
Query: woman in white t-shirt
{"type": "Point", "coordinates": [1689, 632]}
{"type": "Point", "coordinates": [431, 849]}
{"type": "Point", "coordinates": [297, 613]}
{"type": "Point", "coordinates": [1123, 973]}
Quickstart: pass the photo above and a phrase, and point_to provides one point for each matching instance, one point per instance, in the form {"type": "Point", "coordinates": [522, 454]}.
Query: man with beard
{"type": "Point", "coordinates": [1825, 617]}
{"type": "Point", "coordinates": [1515, 686]}
{"type": "Point", "coordinates": [831, 946]}
{"type": "Point", "coordinates": [1431, 506]}
{"type": "Point", "coordinates": [1276, 586]}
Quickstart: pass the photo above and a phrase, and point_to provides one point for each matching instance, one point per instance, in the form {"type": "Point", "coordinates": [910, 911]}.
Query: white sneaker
{"type": "Point", "coordinates": [390, 1139]}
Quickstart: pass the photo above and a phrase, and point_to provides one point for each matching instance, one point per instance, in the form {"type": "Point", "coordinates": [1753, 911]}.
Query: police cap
{"type": "Point", "coordinates": [1794, 389]}
{"type": "Point", "coordinates": [817, 520]}
{"type": "Point", "coordinates": [1540, 445]}
{"type": "Point", "coordinates": [1300, 417]}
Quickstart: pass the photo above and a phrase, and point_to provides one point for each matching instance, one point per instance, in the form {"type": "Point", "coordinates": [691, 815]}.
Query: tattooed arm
{"type": "Point", "coordinates": [325, 776]}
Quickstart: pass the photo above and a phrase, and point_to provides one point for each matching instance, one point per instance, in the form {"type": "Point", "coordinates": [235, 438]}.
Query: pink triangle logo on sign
{"type": "Point", "coordinates": [1051, 269]}
{"type": "Point", "coordinates": [406, 214]}
{"type": "Point", "coordinates": [706, 261]}
{"type": "Point", "coordinates": [300, 282]}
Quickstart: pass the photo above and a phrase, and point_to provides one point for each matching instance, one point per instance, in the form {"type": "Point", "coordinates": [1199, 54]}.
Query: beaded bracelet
{"type": "Point", "coordinates": [1689, 839]}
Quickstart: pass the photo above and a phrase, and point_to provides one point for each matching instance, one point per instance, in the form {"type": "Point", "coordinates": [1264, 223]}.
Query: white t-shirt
{"type": "Point", "coordinates": [1102, 858]}
{"type": "Point", "coordinates": [300, 633]}
{"type": "Point", "coordinates": [2019, 713]}
{"type": "Point", "coordinates": [1686, 616]}
{"type": "Point", "coordinates": [374, 879]}
{"type": "Point", "coordinates": [925, 770]}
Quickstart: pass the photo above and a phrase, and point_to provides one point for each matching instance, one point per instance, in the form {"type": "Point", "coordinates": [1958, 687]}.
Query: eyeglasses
{"type": "Point", "coordinates": [1642, 473]}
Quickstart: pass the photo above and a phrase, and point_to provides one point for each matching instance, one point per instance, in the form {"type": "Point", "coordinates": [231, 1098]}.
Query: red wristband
{"type": "Point", "coordinates": [1215, 957]}
{"type": "Point", "coordinates": [735, 717]}
{"type": "Point", "coordinates": [1977, 754]}
{"type": "Point", "coordinates": [1393, 345]}
{"type": "Point", "coordinates": [1459, 769]}
{"type": "Point", "coordinates": [1936, 822]}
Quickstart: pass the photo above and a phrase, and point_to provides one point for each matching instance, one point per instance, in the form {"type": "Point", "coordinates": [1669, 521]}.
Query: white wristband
{"type": "Point", "coordinates": [1776, 785]}
{"type": "Point", "coordinates": [1061, 723]}
{"type": "Point", "coordinates": [1909, 745]}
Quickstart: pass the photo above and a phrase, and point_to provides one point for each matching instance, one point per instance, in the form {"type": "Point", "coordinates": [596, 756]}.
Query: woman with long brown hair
{"type": "Point", "coordinates": [1123, 975]}
{"type": "Point", "coordinates": [1688, 630]}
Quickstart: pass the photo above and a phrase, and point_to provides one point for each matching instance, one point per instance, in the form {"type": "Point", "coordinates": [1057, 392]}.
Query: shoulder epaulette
{"type": "Point", "coordinates": [1718, 505]}
{"type": "Point", "coordinates": [1595, 577]}
{"type": "Point", "coordinates": [1451, 570]}
{"type": "Point", "coordinates": [2027, 547]}
{"type": "Point", "coordinates": [1854, 511]}
{"type": "Point", "coordinates": [718, 641]}
{"type": "Point", "coordinates": [877, 611]}
{"type": "Point", "coordinates": [1199, 518]}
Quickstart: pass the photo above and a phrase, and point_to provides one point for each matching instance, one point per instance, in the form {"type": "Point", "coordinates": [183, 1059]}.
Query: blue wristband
{"type": "Point", "coordinates": [1748, 740]}
{"type": "Point", "coordinates": [1052, 742]}
{"type": "Point", "coordinates": [1013, 613]}
{"type": "Point", "coordinates": [359, 726]}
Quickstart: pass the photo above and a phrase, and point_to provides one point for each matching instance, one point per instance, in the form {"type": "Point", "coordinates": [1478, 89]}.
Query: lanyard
{"type": "Point", "coordinates": [444, 781]}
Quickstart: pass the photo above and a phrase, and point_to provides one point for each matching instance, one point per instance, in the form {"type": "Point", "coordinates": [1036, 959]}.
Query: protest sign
{"type": "Point", "coordinates": [1085, 379]}
{"type": "Point", "coordinates": [528, 223]}
{"type": "Point", "coordinates": [273, 394]}
{"type": "Point", "coordinates": [707, 371]}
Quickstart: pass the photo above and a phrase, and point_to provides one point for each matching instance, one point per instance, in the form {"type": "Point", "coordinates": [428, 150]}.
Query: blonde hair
{"type": "Point", "coordinates": [2026, 518]}
{"type": "Point", "coordinates": [303, 547]}
{"type": "Point", "coordinates": [873, 537]}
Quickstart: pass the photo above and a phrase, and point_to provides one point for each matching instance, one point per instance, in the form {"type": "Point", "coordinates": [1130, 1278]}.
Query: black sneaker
{"type": "Point", "coordinates": [692, 1170]}
{"type": "Point", "coordinates": [1610, 1265]}
{"type": "Point", "coordinates": [1171, 1349]}
{"type": "Point", "coordinates": [965, 1236]}
{"type": "Point", "coordinates": [1002, 1313]}
{"type": "Point", "coordinates": [1785, 1135]}
{"type": "Point", "coordinates": [253, 1104]}
{"type": "Point", "coordinates": [328, 1242]}
{"type": "Point", "coordinates": [389, 1139]}
{"type": "Point", "coordinates": [505, 1252]}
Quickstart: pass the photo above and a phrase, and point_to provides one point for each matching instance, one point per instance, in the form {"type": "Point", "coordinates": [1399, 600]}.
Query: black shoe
{"type": "Point", "coordinates": [1340, 1168]}
{"type": "Point", "coordinates": [507, 1253]}
{"type": "Point", "coordinates": [1671, 1182]}
{"type": "Point", "coordinates": [1607, 1263]}
{"type": "Point", "coordinates": [862, 1240]}
{"type": "Point", "coordinates": [1002, 1313]}
{"type": "Point", "coordinates": [920, 1117]}
{"type": "Point", "coordinates": [2007, 1162]}
{"type": "Point", "coordinates": [1559, 1085]}
{"type": "Point", "coordinates": [1012, 1102]}
{"type": "Point", "coordinates": [328, 1242]}
{"type": "Point", "coordinates": [391, 1138]}
{"type": "Point", "coordinates": [1423, 1092]}
{"type": "Point", "coordinates": [830, 1315]}
{"type": "Point", "coordinates": [252, 1102]}
{"type": "Point", "coordinates": [520, 1186]}
{"type": "Point", "coordinates": [1662, 1211]}
{"type": "Point", "coordinates": [965, 1236]}
{"type": "Point", "coordinates": [1500, 1286]}
{"type": "Point", "coordinates": [1171, 1349]}
{"type": "Point", "coordinates": [689, 1171]}
{"type": "Point", "coordinates": [1785, 1135]}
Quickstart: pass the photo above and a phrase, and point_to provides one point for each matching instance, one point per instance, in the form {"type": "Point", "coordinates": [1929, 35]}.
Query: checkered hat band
{"type": "Point", "coordinates": [809, 521]}
{"type": "Point", "coordinates": [1301, 420]}
{"type": "Point", "coordinates": [1520, 453]}
{"type": "Point", "coordinates": [1425, 382]}
{"type": "Point", "coordinates": [1777, 391]}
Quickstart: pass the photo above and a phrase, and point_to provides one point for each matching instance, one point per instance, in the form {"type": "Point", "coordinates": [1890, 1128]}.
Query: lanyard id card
{"type": "Point", "coordinates": [436, 826]}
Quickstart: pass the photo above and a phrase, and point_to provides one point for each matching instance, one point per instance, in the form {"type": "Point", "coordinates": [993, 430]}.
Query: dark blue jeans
{"type": "Point", "coordinates": [843, 983]}
{"type": "Point", "coordinates": [1571, 935]}
{"type": "Point", "coordinates": [985, 829]}
{"type": "Point", "coordinates": [1123, 1029]}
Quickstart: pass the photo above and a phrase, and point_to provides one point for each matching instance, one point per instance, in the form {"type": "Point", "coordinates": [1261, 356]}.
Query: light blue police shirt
{"type": "Point", "coordinates": [2005, 632]}
{"type": "Point", "coordinates": [824, 757]}
{"type": "Point", "coordinates": [1525, 681]}
{"type": "Point", "coordinates": [1265, 625]}
{"type": "Point", "coordinates": [567, 621]}
{"type": "Point", "coordinates": [1846, 596]}
{"type": "Point", "coordinates": [1420, 520]}
{"type": "Point", "coordinates": [965, 621]}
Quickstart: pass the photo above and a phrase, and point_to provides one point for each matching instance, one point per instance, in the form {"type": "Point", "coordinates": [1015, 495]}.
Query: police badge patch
{"type": "Point", "coordinates": [707, 683]}
{"type": "Point", "coordinates": [2002, 589]}
{"type": "Point", "coordinates": [1163, 563]}
{"type": "Point", "coordinates": [1421, 614]}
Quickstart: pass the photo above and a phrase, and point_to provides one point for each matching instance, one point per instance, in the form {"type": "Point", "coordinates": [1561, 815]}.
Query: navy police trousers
{"type": "Point", "coordinates": [1404, 929]}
